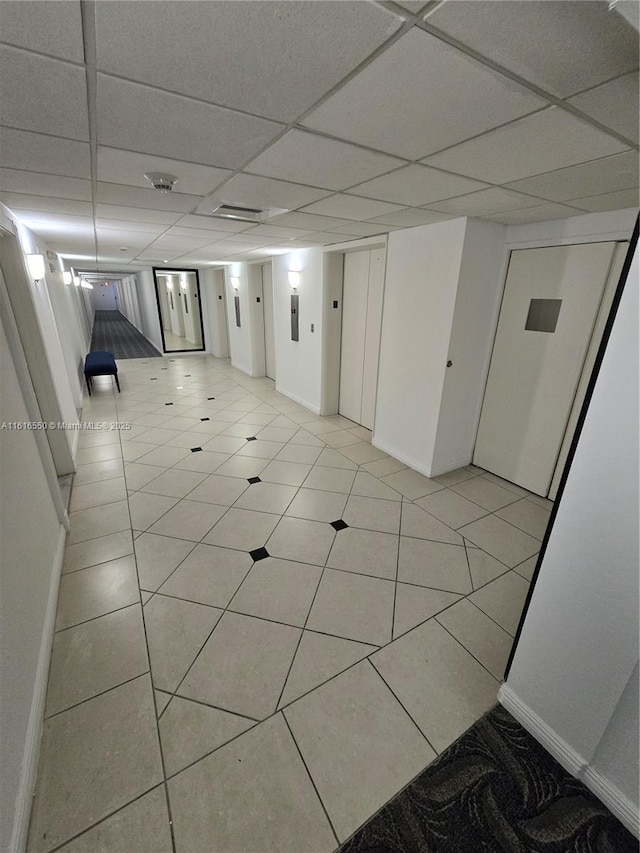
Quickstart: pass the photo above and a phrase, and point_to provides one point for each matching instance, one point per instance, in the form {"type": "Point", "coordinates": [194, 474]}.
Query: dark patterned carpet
{"type": "Point", "coordinates": [494, 790]}
{"type": "Point", "coordinates": [112, 332]}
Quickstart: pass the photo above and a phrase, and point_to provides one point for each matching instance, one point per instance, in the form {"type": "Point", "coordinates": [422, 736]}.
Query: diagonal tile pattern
{"type": "Point", "coordinates": [290, 627]}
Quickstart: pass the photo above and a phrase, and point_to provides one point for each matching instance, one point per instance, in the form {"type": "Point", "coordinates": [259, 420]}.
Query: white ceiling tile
{"type": "Point", "coordinates": [323, 238]}
{"type": "Point", "coordinates": [128, 167]}
{"type": "Point", "coordinates": [307, 221]}
{"type": "Point", "coordinates": [194, 220]}
{"type": "Point", "coordinates": [609, 201]}
{"type": "Point", "coordinates": [53, 28]}
{"type": "Point", "coordinates": [311, 159]}
{"type": "Point", "coordinates": [218, 250]}
{"type": "Point", "coordinates": [360, 229]}
{"type": "Point", "coordinates": [35, 152]}
{"type": "Point", "coordinates": [560, 46]}
{"type": "Point", "coordinates": [19, 202]}
{"type": "Point", "coordinates": [134, 241]}
{"type": "Point", "coordinates": [138, 118]}
{"type": "Point", "coordinates": [135, 214]}
{"type": "Point", "coordinates": [416, 185]}
{"type": "Point", "coordinates": [259, 192]}
{"type": "Point", "coordinates": [534, 214]}
{"type": "Point", "coordinates": [36, 183]}
{"type": "Point", "coordinates": [413, 216]}
{"type": "Point", "coordinates": [614, 104]}
{"type": "Point", "coordinates": [351, 207]}
{"type": "Point", "coordinates": [273, 59]}
{"type": "Point", "coordinates": [43, 94]}
{"type": "Point", "coordinates": [208, 236]}
{"type": "Point", "coordinates": [420, 96]}
{"type": "Point", "coordinates": [117, 225]}
{"type": "Point", "coordinates": [256, 239]}
{"type": "Point", "coordinates": [151, 199]}
{"type": "Point", "coordinates": [548, 140]}
{"type": "Point", "coordinates": [56, 227]}
{"type": "Point", "coordinates": [493, 200]}
{"type": "Point", "coordinates": [619, 172]}
{"type": "Point", "coordinates": [275, 231]}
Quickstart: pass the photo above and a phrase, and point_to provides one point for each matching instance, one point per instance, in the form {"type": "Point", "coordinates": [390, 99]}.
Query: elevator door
{"type": "Point", "coordinates": [362, 292]}
{"type": "Point", "coordinates": [549, 310]}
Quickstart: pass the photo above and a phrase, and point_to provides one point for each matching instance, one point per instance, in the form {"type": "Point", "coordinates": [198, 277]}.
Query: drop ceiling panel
{"type": "Point", "coordinates": [139, 239]}
{"type": "Point", "coordinates": [128, 167]}
{"type": "Point", "coordinates": [207, 236]}
{"type": "Point", "coordinates": [151, 199]}
{"type": "Point", "coordinates": [258, 192]}
{"type": "Point", "coordinates": [174, 244]}
{"type": "Point", "coordinates": [219, 250]}
{"type": "Point", "coordinates": [58, 31]}
{"type": "Point", "coordinates": [139, 118]}
{"type": "Point", "coordinates": [323, 238]}
{"type": "Point", "coordinates": [609, 201]}
{"type": "Point", "coordinates": [485, 202]}
{"type": "Point", "coordinates": [35, 152]}
{"type": "Point", "coordinates": [352, 207]}
{"type": "Point", "coordinates": [36, 183]}
{"type": "Point", "coordinates": [310, 159]}
{"type": "Point", "coordinates": [117, 225]}
{"type": "Point", "coordinates": [308, 221]}
{"type": "Point", "coordinates": [273, 59]}
{"type": "Point", "coordinates": [420, 96]}
{"type": "Point", "coordinates": [562, 47]}
{"type": "Point", "coordinates": [360, 229]}
{"type": "Point", "coordinates": [20, 203]}
{"type": "Point", "coordinates": [534, 214]}
{"type": "Point", "coordinates": [31, 94]}
{"type": "Point", "coordinates": [416, 185]}
{"type": "Point", "coordinates": [614, 104]}
{"type": "Point", "coordinates": [275, 231]}
{"type": "Point", "coordinates": [208, 222]}
{"type": "Point", "coordinates": [412, 217]}
{"type": "Point", "coordinates": [59, 227]}
{"type": "Point", "coordinates": [539, 143]}
{"type": "Point", "coordinates": [619, 172]}
{"type": "Point", "coordinates": [135, 214]}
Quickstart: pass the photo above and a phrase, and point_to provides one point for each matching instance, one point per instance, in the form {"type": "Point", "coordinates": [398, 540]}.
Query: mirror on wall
{"type": "Point", "coordinates": [178, 297]}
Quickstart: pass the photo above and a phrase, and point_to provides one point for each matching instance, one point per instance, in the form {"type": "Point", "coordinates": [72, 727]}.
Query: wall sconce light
{"type": "Point", "coordinates": [76, 280]}
{"type": "Point", "coordinates": [67, 277]}
{"type": "Point", "coordinates": [35, 263]}
{"type": "Point", "coordinates": [294, 278]}
{"type": "Point", "coordinates": [235, 282]}
{"type": "Point", "coordinates": [87, 285]}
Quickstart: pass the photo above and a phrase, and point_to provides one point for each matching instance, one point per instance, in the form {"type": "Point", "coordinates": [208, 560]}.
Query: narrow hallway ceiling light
{"type": "Point", "coordinates": [86, 285]}
{"type": "Point", "coordinates": [235, 282]}
{"type": "Point", "coordinates": [76, 280]}
{"type": "Point", "coordinates": [35, 263]}
{"type": "Point", "coordinates": [294, 278]}
{"type": "Point", "coordinates": [66, 277]}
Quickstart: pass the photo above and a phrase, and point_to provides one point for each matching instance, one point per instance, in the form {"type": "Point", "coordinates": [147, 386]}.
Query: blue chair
{"type": "Point", "coordinates": [100, 364]}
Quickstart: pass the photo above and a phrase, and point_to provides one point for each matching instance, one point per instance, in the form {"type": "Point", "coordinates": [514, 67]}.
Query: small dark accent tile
{"type": "Point", "coordinates": [187, 375]}
{"type": "Point", "coordinates": [164, 368]}
{"type": "Point", "coordinates": [211, 398]}
{"type": "Point", "coordinates": [153, 379]}
{"type": "Point", "coordinates": [339, 524]}
{"type": "Point", "coordinates": [259, 554]}
{"type": "Point", "coordinates": [253, 480]}
{"type": "Point", "coordinates": [205, 419]}
{"type": "Point", "coordinates": [172, 359]}
{"type": "Point", "coordinates": [168, 404]}
{"type": "Point", "coordinates": [251, 438]}
{"type": "Point", "coordinates": [196, 449]}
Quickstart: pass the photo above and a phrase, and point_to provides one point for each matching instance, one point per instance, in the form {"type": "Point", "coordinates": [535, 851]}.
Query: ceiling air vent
{"type": "Point", "coordinates": [225, 210]}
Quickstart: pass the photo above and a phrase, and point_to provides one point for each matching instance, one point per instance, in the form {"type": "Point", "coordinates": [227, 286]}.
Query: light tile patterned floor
{"type": "Point", "coordinates": [266, 626]}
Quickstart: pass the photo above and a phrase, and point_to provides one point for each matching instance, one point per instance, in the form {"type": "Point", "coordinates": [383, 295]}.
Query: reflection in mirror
{"type": "Point", "coordinates": [178, 297]}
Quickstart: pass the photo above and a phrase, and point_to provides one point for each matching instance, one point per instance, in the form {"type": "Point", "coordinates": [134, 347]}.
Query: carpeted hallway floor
{"type": "Point", "coordinates": [112, 332]}
{"type": "Point", "coordinates": [495, 790]}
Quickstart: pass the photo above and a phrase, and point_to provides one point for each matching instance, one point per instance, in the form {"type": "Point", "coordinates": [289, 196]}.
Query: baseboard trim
{"type": "Point", "coordinates": [564, 754]}
{"type": "Point", "coordinates": [26, 787]}
{"type": "Point", "coordinates": [627, 812]}
{"type": "Point", "coordinates": [401, 457]}
{"type": "Point", "coordinates": [299, 400]}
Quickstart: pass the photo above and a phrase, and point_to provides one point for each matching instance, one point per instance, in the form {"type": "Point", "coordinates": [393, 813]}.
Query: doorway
{"type": "Point", "coordinates": [179, 309]}
{"type": "Point", "coordinates": [362, 294]}
{"type": "Point", "coordinates": [269, 333]}
{"type": "Point", "coordinates": [550, 311]}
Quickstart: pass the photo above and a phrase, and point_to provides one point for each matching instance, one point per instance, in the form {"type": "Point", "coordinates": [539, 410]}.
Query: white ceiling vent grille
{"type": "Point", "coordinates": [225, 210]}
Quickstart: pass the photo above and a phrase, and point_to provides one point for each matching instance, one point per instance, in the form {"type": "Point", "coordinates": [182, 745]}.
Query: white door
{"type": "Point", "coordinates": [362, 293]}
{"type": "Point", "coordinates": [269, 335]}
{"type": "Point", "coordinates": [549, 309]}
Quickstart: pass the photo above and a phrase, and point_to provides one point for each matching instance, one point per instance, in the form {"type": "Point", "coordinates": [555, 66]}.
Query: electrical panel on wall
{"type": "Point", "coordinates": [295, 320]}
{"type": "Point", "coordinates": [236, 302]}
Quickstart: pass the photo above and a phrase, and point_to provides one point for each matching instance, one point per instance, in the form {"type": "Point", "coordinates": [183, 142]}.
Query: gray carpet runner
{"type": "Point", "coordinates": [112, 332]}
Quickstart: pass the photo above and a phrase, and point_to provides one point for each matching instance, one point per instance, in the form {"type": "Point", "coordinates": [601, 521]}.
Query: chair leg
{"type": "Point", "coordinates": [117, 382]}
{"type": "Point", "coordinates": [88, 380]}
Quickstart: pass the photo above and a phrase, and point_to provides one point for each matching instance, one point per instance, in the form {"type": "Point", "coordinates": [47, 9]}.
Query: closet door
{"type": "Point", "coordinates": [549, 310]}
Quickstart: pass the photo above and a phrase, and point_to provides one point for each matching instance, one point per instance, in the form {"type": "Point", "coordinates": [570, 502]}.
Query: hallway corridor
{"type": "Point", "coordinates": [266, 627]}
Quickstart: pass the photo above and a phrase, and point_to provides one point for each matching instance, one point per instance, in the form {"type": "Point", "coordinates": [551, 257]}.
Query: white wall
{"type": "Point", "coordinates": [423, 268]}
{"type": "Point", "coordinates": [148, 307]}
{"type": "Point", "coordinates": [103, 298]}
{"type": "Point", "coordinates": [240, 343]}
{"type": "Point", "coordinates": [299, 363]}
{"type": "Point", "coordinates": [475, 317]}
{"type": "Point", "coordinates": [579, 644]}
{"type": "Point", "coordinates": [31, 540]}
